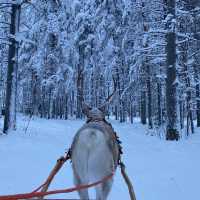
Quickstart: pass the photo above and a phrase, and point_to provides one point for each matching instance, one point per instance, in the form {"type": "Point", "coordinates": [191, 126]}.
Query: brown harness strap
{"type": "Point", "coordinates": [116, 137]}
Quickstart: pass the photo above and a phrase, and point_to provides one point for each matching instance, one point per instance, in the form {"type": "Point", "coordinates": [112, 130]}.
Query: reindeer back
{"type": "Point", "coordinates": [110, 136]}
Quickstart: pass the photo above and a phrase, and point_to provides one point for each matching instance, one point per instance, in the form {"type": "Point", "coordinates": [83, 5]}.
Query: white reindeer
{"type": "Point", "coordinates": [95, 153]}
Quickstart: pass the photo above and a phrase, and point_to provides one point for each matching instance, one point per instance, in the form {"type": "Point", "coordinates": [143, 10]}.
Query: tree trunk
{"type": "Point", "coordinates": [181, 113]}
{"type": "Point", "coordinates": [80, 82]}
{"type": "Point", "coordinates": [143, 108]}
{"type": "Point", "coordinates": [150, 123]}
{"type": "Point", "coordinates": [131, 113]}
{"type": "Point", "coordinates": [66, 107]}
{"type": "Point", "coordinates": [159, 104]}
{"type": "Point", "coordinates": [79, 94]}
{"type": "Point", "coordinates": [171, 96]}
{"type": "Point", "coordinates": [10, 71]}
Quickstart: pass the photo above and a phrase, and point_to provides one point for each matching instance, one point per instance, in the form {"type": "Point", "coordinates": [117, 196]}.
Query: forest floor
{"type": "Point", "coordinates": [159, 169]}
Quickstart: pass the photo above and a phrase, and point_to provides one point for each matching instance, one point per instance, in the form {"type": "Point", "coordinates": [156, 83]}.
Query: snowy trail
{"type": "Point", "coordinates": [160, 170]}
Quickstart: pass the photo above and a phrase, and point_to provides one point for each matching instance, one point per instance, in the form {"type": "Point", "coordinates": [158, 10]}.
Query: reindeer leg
{"type": "Point", "coordinates": [82, 193]}
{"type": "Point", "coordinates": [98, 192]}
{"type": "Point", "coordinates": [106, 187]}
{"type": "Point", "coordinates": [103, 190]}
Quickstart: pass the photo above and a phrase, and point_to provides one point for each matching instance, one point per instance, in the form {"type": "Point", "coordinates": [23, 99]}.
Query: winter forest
{"type": "Point", "coordinates": [55, 54]}
{"type": "Point", "coordinates": [51, 51]}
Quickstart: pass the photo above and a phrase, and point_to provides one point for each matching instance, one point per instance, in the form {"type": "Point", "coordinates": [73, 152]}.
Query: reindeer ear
{"type": "Point", "coordinates": [102, 108]}
{"type": "Point", "coordinates": [86, 109]}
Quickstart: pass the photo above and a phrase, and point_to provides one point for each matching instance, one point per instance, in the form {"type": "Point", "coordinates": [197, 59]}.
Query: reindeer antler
{"type": "Point", "coordinates": [109, 98]}
{"type": "Point", "coordinates": [85, 107]}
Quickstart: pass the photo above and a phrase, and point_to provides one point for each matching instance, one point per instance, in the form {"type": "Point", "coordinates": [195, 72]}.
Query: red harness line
{"type": "Point", "coordinates": [41, 194]}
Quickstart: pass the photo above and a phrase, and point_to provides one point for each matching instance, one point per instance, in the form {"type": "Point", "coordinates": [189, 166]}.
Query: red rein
{"type": "Point", "coordinates": [41, 194]}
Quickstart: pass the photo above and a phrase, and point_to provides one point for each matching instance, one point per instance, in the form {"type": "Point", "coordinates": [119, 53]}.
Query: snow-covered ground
{"type": "Point", "coordinates": [160, 170]}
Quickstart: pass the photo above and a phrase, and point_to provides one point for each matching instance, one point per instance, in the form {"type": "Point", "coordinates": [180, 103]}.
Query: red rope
{"type": "Point", "coordinates": [37, 189]}
{"type": "Point", "coordinates": [41, 194]}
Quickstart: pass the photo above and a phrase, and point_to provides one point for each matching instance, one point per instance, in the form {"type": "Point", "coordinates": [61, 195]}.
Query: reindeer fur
{"type": "Point", "coordinates": [95, 155]}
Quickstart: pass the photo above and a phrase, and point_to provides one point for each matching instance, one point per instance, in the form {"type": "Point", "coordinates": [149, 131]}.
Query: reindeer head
{"type": "Point", "coordinates": [93, 113]}
{"type": "Point", "coordinates": [98, 113]}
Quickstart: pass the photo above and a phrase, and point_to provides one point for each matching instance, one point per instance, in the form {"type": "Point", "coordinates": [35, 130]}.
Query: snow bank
{"type": "Point", "coordinates": [160, 170]}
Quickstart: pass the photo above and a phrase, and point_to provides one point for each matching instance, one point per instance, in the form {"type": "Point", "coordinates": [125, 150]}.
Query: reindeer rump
{"type": "Point", "coordinates": [94, 152]}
